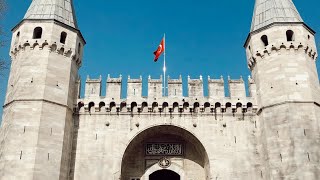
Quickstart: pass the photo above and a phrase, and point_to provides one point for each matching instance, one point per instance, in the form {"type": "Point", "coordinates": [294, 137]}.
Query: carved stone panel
{"type": "Point", "coordinates": [164, 149]}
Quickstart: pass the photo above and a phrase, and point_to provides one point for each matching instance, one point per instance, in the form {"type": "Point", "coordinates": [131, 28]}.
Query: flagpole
{"type": "Point", "coordinates": [164, 66]}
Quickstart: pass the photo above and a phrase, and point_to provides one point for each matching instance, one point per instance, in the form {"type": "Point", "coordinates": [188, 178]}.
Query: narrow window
{"type": "Point", "coordinates": [63, 37]}
{"type": "Point", "coordinates": [37, 33]}
{"type": "Point", "coordinates": [134, 91]}
{"type": "Point", "coordinates": [175, 92]}
{"type": "Point", "coordinates": [17, 38]}
{"type": "Point", "coordinates": [79, 48]}
{"type": "Point", "coordinates": [290, 35]}
{"type": "Point", "coordinates": [264, 39]}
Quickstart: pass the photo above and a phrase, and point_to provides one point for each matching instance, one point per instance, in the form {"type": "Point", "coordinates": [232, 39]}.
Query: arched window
{"type": "Point", "coordinates": [175, 107]}
{"type": "Point", "coordinates": [185, 106]}
{"type": "Point", "coordinates": [101, 105]}
{"type": "Point", "coordinates": [264, 39]}
{"type": "Point", "coordinates": [123, 106]}
{"type": "Point", "coordinates": [112, 107]}
{"type": "Point", "coordinates": [228, 105]}
{"type": "Point", "coordinates": [80, 105]}
{"type": "Point", "coordinates": [165, 107]}
{"type": "Point", "coordinates": [17, 38]}
{"type": "Point", "coordinates": [37, 33]}
{"type": "Point", "coordinates": [154, 106]}
{"type": "Point", "coordinates": [238, 105]}
{"type": "Point", "coordinates": [63, 37]}
{"type": "Point", "coordinates": [91, 106]}
{"type": "Point", "coordinates": [144, 107]}
{"type": "Point", "coordinates": [134, 107]}
{"type": "Point", "coordinates": [290, 35]}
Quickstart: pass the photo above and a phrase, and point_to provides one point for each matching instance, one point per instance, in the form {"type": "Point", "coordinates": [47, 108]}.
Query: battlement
{"type": "Point", "coordinates": [216, 94]}
{"type": "Point", "coordinates": [216, 88]}
{"type": "Point", "coordinates": [175, 88]}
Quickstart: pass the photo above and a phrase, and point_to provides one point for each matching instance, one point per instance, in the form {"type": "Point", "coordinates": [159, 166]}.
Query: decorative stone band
{"type": "Point", "coordinates": [183, 106]}
{"type": "Point", "coordinates": [275, 48]}
{"type": "Point", "coordinates": [45, 45]}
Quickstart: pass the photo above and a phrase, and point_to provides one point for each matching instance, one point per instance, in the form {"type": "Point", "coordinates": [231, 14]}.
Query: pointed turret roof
{"type": "Point", "coordinates": [267, 12]}
{"type": "Point", "coordinates": [60, 10]}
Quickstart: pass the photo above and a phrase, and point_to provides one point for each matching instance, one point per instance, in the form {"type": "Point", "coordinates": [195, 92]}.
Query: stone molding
{"type": "Point", "coordinates": [45, 45]}
{"type": "Point", "coordinates": [276, 48]}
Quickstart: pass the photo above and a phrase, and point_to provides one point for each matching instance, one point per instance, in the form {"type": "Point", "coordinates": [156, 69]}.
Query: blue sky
{"type": "Point", "coordinates": [203, 37]}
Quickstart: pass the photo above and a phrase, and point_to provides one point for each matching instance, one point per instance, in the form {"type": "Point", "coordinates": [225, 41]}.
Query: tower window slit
{"type": "Point", "coordinates": [17, 38]}
{"type": "Point", "coordinates": [20, 155]}
{"type": "Point", "coordinates": [79, 48]}
{"type": "Point", "coordinates": [37, 33]}
{"type": "Point", "coordinates": [264, 39]}
{"type": "Point", "coordinates": [63, 37]}
{"type": "Point", "coordinates": [134, 91]}
{"type": "Point", "coordinates": [290, 35]}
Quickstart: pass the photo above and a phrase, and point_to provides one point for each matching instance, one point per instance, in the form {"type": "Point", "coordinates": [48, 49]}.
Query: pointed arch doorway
{"type": "Point", "coordinates": [164, 175]}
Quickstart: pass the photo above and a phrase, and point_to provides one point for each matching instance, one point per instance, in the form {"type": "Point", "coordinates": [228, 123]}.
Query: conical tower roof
{"type": "Point", "coordinates": [60, 10]}
{"type": "Point", "coordinates": [267, 12]}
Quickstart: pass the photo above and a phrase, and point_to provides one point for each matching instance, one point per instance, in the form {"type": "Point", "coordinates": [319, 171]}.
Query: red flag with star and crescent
{"type": "Point", "coordinates": [160, 50]}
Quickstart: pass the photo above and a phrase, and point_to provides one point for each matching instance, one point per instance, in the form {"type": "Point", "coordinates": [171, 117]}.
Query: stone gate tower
{"type": "Point", "coordinates": [281, 54]}
{"type": "Point", "coordinates": [46, 53]}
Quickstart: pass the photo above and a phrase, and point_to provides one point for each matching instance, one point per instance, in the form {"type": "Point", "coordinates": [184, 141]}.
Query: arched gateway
{"type": "Point", "coordinates": [165, 152]}
{"type": "Point", "coordinates": [164, 174]}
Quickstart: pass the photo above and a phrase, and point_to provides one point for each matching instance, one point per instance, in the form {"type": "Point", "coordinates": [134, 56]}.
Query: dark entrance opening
{"type": "Point", "coordinates": [164, 175]}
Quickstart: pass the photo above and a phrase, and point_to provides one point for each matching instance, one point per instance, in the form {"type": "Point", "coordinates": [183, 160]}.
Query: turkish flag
{"type": "Point", "coordinates": [159, 51]}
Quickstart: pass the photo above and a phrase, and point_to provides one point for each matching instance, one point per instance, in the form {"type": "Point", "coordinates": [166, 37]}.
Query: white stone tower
{"type": "Point", "coordinates": [46, 53]}
{"type": "Point", "coordinates": [281, 54]}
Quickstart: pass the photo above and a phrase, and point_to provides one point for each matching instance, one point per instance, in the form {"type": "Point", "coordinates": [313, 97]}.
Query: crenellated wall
{"type": "Point", "coordinates": [216, 88]}
{"type": "Point", "coordinates": [227, 127]}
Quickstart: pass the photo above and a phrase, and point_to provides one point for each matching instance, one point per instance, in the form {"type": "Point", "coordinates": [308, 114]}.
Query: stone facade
{"type": "Point", "coordinates": [49, 132]}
